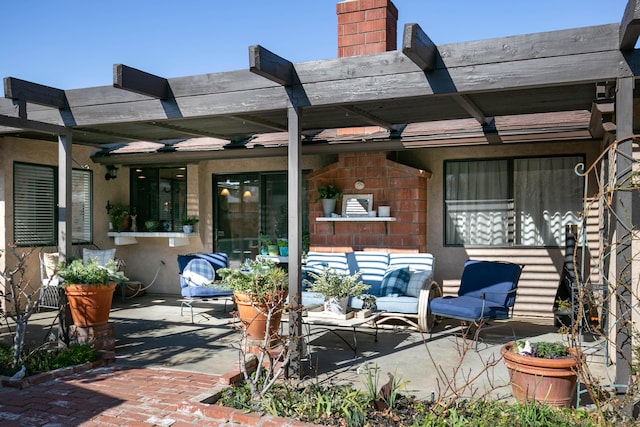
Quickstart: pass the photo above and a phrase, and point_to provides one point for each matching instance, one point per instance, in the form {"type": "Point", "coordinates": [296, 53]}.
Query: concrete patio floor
{"type": "Point", "coordinates": [151, 333]}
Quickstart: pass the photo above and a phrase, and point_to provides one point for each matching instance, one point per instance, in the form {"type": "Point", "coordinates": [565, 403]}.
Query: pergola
{"type": "Point", "coordinates": [569, 70]}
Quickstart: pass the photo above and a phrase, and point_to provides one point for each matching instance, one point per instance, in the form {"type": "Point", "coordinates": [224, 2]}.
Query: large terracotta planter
{"type": "Point", "coordinates": [254, 317]}
{"type": "Point", "coordinates": [549, 381]}
{"type": "Point", "coordinates": [90, 304]}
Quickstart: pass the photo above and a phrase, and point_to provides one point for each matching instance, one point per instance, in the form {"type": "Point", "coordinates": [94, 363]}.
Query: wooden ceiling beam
{"type": "Point", "coordinates": [131, 79]}
{"type": "Point", "coordinates": [630, 25]}
{"type": "Point", "coordinates": [470, 108]}
{"type": "Point", "coordinates": [269, 65]}
{"type": "Point", "coordinates": [260, 122]}
{"type": "Point", "coordinates": [188, 131]}
{"type": "Point", "coordinates": [20, 124]}
{"type": "Point", "coordinates": [418, 47]}
{"type": "Point", "coordinates": [123, 136]}
{"type": "Point", "coordinates": [22, 90]}
{"type": "Point", "coordinates": [368, 117]}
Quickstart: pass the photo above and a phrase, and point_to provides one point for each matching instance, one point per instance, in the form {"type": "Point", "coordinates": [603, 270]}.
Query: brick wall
{"type": "Point", "coordinates": [401, 187]}
{"type": "Point", "coordinates": [366, 26]}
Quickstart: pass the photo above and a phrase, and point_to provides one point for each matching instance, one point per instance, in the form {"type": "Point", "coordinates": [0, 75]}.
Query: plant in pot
{"type": "Point", "coordinates": [336, 287]}
{"type": "Point", "coordinates": [260, 292]}
{"type": "Point", "coordinates": [265, 241]}
{"type": "Point", "coordinates": [89, 289]}
{"type": "Point", "coordinates": [188, 223]}
{"type": "Point", "coordinates": [544, 371]}
{"type": "Point", "coordinates": [328, 196]}
{"type": "Point", "coordinates": [119, 217]}
{"type": "Point", "coordinates": [283, 247]}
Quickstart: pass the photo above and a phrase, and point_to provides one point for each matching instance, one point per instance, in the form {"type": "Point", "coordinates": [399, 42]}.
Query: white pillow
{"type": "Point", "coordinates": [416, 281]}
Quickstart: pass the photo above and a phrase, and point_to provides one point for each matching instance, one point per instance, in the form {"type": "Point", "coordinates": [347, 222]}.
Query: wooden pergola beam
{"type": "Point", "coordinates": [141, 82]}
{"type": "Point", "coordinates": [22, 90]}
{"type": "Point", "coordinates": [470, 108]}
{"type": "Point", "coordinates": [260, 122]}
{"type": "Point", "coordinates": [188, 131]}
{"type": "Point", "coordinates": [630, 25]}
{"type": "Point", "coordinates": [367, 117]}
{"type": "Point", "coordinates": [418, 47]}
{"type": "Point", "coordinates": [269, 65]}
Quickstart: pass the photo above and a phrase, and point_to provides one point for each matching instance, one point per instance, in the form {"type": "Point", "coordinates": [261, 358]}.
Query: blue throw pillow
{"type": "Point", "coordinates": [395, 281]}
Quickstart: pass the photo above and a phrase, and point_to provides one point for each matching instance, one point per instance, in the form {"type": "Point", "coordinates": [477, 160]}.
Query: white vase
{"type": "Point", "coordinates": [336, 305]}
{"type": "Point", "coordinates": [328, 206]}
{"type": "Point", "coordinates": [187, 228]}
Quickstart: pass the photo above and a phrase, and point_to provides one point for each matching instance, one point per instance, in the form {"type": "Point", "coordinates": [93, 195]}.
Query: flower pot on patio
{"type": "Point", "coordinates": [336, 305]}
{"type": "Point", "coordinates": [254, 316]}
{"type": "Point", "coordinates": [549, 381]}
{"type": "Point", "coordinates": [90, 304]}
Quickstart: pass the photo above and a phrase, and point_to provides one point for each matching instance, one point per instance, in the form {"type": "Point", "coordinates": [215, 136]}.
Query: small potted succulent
{"type": "Point", "coordinates": [188, 223]}
{"type": "Point", "coordinates": [283, 247]}
{"type": "Point", "coordinates": [544, 371]}
{"type": "Point", "coordinates": [265, 242]}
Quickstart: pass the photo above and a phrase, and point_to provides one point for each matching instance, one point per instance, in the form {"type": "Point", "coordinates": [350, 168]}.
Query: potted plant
{"type": "Point", "coordinates": [119, 217]}
{"type": "Point", "coordinates": [544, 371]}
{"type": "Point", "coordinates": [188, 223]}
{"type": "Point", "coordinates": [89, 289]}
{"type": "Point", "coordinates": [336, 288]}
{"type": "Point", "coordinates": [328, 195]}
{"type": "Point", "coordinates": [265, 242]}
{"type": "Point", "coordinates": [283, 247]}
{"type": "Point", "coordinates": [260, 291]}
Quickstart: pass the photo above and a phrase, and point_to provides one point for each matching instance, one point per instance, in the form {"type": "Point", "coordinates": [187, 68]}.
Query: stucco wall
{"type": "Point", "coordinates": [541, 274]}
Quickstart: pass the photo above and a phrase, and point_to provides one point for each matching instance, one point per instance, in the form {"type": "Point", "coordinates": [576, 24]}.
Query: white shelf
{"type": "Point", "coordinates": [356, 219]}
{"type": "Point", "coordinates": [130, 237]}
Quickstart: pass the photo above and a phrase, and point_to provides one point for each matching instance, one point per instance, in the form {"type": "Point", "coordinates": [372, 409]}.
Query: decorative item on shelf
{"type": "Point", "coordinates": [264, 241]}
{"type": "Point", "coordinates": [384, 211]}
{"type": "Point", "coordinates": [152, 225]}
{"type": "Point", "coordinates": [357, 205]}
{"type": "Point", "coordinates": [119, 216]}
{"type": "Point", "coordinates": [546, 372]}
{"type": "Point", "coordinates": [165, 225]}
{"type": "Point", "coordinates": [188, 223]}
{"type": "Point", "coordinates": [336, 288]}
{"type": "Point", "coordinates": [134, 222]}
{"type": "Point", "coordinates": [283, 247]}
{"type": "Point", "coordinates": [89, 288]}
{"type": "Point", "coordinates": [260, 292]}
{"type": "Point", "coordinates": [328, 196]}
{"type": "Point", "coordinates": [359, 185]}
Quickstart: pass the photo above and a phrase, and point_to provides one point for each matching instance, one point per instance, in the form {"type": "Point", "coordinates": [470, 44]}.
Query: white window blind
{"type": "Point", "coordinates": [34, 221]}
{"type": "Point", "coordinates": [81, 183]}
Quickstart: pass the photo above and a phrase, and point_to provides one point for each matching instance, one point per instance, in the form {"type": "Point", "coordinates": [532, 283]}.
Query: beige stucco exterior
{"type": "Point", "coordinates": [151, 256]}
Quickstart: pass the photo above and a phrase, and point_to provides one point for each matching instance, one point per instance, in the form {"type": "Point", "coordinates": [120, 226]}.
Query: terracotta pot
{"type": "Point", "coordinates": [549, 381]}
{"type": "Point", "coordinates": [254, 317]}
{"type": "Point", "coordinates": [90, 304]}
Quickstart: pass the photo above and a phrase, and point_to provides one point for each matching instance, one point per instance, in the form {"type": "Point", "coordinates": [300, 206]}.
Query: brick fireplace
{"type": "Point", "coordinates": [402, 188]}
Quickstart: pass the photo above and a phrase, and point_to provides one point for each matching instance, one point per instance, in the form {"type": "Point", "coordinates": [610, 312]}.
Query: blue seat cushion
{"type": "Point", "coordinates": [467, 308]}
{"type": "Point", "coordinates": [205, 291]}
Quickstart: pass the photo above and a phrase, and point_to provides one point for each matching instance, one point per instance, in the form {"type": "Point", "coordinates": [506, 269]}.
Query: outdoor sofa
{"type": "Point", "coordinates": [401, 282]}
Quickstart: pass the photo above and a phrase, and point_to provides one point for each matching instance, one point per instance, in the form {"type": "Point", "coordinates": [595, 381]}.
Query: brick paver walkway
{"type": "Point", "coordinates": [120, 396]}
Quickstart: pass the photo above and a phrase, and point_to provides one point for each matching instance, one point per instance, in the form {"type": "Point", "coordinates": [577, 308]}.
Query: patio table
{"type": "Point", "coordinates": [332, 324]}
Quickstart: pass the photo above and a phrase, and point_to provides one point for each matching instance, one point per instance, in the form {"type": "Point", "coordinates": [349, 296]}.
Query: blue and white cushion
{"type": "Point", "coordinates": [395, 281]}
{"type": "Point", "coordinates": [101, 256]}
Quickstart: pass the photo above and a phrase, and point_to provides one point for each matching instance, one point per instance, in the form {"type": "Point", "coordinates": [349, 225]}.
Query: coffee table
{"type": "Point", "coordinates": [329, 323]}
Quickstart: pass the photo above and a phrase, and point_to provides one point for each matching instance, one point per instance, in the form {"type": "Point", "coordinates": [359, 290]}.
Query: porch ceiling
{"type": "Point", "coordinates": [538, 73]}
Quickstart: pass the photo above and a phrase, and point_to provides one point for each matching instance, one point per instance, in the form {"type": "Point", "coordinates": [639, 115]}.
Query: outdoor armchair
{"type": "Point", "coordinates": [487, 292]}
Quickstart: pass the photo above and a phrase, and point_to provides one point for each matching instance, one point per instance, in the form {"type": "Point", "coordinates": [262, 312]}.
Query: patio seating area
{"type": "Point", "coordinates": [152, 334]}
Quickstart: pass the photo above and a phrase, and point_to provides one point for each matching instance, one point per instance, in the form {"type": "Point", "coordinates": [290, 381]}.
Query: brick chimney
{"type": "Point", "coordinates": [366, 26]}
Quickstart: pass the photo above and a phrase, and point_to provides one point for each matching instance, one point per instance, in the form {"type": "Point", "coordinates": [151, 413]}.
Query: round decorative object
{"type": "Point", "coordinates": [359, 185]}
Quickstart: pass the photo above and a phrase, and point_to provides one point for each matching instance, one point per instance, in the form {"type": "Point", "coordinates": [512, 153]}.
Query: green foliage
{"type": "Point", "coordinates": [42, 360]}
{"type": "Point", "coordinates": [190, 220]}
{"type": "Point", "coordinates": [328, 192]}
{"type": "Point", "coordinates": [91, 274]}
{"type": "Point", "coordinates": [283, 243]}
{"type": "Point", "coordinates": [543, 349]}
{"type": "Point", "coordinates": [261, 280]}
{"type": "Point", "coordinates": [265, 240]}
{"type": "Point", "coordinates": [330, 283]}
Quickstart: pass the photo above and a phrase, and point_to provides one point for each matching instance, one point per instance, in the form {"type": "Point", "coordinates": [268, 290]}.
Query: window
{"type": "Point", "coordinates": [34, 205]}
{"type": "Point", "coordinates": [159, 194]}
{"type": "Point", "coordinates": [248, 205]}
{"type": "Point", "coordinates": [506, 202]}
{"type": "Point", "coordinates": [35, 202]}
{"type": "Point", "coordinates": [82, 205]}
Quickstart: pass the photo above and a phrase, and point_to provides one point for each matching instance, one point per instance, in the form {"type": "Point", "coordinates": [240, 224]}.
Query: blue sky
{"type": "Point", "coordinates": [74, 43]}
